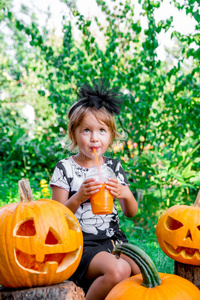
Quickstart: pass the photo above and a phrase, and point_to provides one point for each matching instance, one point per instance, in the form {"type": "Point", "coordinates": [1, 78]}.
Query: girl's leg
{"type": "Point", "coordinates": [107, 271]}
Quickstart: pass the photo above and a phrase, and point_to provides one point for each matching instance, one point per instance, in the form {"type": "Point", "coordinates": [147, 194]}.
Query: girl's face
{"type": "Point", "coordinates": [90, 134]}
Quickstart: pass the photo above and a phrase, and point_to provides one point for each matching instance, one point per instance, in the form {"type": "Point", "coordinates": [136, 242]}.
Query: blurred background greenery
{"type": "Point", "coordinates": [40, 75]}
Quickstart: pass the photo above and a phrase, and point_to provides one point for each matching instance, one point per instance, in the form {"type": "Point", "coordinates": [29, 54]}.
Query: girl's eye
{"type": "Point", "coordinates": [86, 130]}
{"type": "Point", "coordinates": [102, 130]}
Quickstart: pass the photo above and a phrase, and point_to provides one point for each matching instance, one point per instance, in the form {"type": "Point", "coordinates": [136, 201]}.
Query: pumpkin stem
{"type": "Point", "coordinates": [197, 201]}
{"type": "Point", "coordinates": [148, 270]}
{"type": "Point", "coordinates": [25, 191]}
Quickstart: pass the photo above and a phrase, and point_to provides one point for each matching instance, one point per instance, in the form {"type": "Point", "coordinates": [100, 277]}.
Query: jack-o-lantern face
{"type": "Point", "coordinates": [178, 233]}
{"type": "Point", "coordinates": [41, 243]}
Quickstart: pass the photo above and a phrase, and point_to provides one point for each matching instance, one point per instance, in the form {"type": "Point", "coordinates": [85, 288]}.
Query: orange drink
{"type": "Point", "coordinates": [102, 201]}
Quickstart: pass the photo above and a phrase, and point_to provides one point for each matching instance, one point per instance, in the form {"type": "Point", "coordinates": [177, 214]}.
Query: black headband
{"type": "Point", "coordinates": [98, 96]}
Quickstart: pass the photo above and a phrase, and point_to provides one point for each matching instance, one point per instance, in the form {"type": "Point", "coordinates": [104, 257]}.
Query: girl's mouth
{"type": "Point", "coordinates": [95, 148]}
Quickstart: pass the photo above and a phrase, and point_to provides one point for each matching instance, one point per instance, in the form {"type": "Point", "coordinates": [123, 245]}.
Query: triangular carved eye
{"type": "Point", "coordinates": [198, 227]}
{"type": "Point", "coordinates": [52, 238]}
{"type": "Point", "coordinates": [27, 228]}
{"type": "Point", "coordinates": [173, 224]}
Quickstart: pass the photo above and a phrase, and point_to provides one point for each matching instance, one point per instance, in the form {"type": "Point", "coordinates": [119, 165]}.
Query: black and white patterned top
{"type": "Point", "coordinates": [69, 176]}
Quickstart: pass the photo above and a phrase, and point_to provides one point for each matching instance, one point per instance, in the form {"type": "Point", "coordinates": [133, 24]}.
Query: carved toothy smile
{"type": "Point", "coordinates": [186, 252]}
{"type": "Point", "coordinates": [60, 260]}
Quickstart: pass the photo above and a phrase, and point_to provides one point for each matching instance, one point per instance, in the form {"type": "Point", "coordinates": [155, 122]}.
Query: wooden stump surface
{"type": "Point", "coordinates": [66, 290]}
{"type": "Point", "coordinates": [189, 272]}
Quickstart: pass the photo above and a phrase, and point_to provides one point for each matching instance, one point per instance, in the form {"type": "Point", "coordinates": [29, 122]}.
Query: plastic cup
{"type": "Point", "coordinates": [102, 201]}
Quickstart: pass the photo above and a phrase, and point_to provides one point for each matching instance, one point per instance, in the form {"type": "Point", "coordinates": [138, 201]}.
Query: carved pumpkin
{"type": "Point", "coordinates": [41, 243]}
{"type": "Point", "coordinates": [150, 285]}
{"type": "Point", "coordinates": [178, 233]}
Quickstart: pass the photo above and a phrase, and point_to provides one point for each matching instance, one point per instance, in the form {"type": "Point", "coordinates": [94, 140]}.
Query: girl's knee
{"type": "Point", "coordinates": [121, 271]}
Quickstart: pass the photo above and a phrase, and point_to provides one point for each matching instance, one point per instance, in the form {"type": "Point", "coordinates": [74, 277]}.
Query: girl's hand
{"type": "Point", "coordinates": [124, 195]}
{"type": "Point", "coordinates": [116, 189]}
{"type": "Point", "coordinates": [88, 188]}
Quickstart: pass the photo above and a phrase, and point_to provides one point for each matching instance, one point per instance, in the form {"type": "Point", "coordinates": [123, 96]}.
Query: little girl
{"type": "Point", "coordinates": [92, 125]}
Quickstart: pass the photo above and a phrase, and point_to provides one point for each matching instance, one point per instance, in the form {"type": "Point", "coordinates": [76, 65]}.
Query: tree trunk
{"type": "Point", "coordinates": [66, 290]}
{"type": "Point", "coordinates": [189, 272]}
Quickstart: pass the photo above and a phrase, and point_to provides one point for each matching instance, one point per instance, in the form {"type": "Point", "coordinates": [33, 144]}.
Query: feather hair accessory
{"type": "Point", "coordinates": [98, 96]}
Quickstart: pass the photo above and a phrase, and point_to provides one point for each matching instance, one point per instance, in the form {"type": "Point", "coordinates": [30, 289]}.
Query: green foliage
{"type": "Point", "coordinates": [161, 102]}
{"type": "Point", "coordinates": [171, 167]}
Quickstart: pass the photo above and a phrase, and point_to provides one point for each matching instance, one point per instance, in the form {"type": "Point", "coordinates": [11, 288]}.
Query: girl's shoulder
{"type": "Point", "coordinates": [117, 168]}
{"type": "Point", "coordinates": [70, 166]}
{"type": "Point", "coordinates": [65, 162]}
{"type": "Point", "coordinates": [114, 164]}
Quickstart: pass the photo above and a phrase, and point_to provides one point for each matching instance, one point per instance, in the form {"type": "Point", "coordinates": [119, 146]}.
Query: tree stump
{"type": "Point", "coordinates": [189, 272]}
{"type": "Point", "coordinates": [66, 290]}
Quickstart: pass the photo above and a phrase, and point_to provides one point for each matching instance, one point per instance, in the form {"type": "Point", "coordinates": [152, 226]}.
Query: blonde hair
{"type": "Point", "coordinates": [102, 115]}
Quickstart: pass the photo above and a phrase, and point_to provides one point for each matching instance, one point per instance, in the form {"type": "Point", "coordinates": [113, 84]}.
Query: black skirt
{"type": "Point", "coordinates": [90, 249]}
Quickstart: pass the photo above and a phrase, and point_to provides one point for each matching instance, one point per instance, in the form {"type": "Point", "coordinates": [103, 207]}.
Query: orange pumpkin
{"type": "Point", "coordinates": [41, 243]}
{"type": "Point", "coordinates": [150, 285]}
{"type": "Point", "coordinates": [178, 233]}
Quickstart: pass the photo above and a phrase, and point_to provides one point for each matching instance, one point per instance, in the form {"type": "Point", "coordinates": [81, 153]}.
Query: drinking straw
{"type": "Point", "coordinates": [97, 163]}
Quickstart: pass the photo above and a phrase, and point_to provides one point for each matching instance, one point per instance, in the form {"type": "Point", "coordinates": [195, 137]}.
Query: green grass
{"type": "Point", "coordinates": [163, 263]}
{"type": "Point", "coordinates": [141, 231]}
{"type": "Point", "coordinates": [147, 241]}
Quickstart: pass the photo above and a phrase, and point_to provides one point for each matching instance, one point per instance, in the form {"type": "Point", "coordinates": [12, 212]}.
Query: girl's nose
{"type": "Point", "coordinates": [94, 136]}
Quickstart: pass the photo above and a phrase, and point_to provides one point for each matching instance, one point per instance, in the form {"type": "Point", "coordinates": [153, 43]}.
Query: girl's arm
{"type": "Point", "coordinates": [128, 203]}
{"type": "Point", "coordinates": [88, 187]}
{"type": "Point", "coordinates": [62, 195]}
{"type": "Point", "coordinates": [124, 195]}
